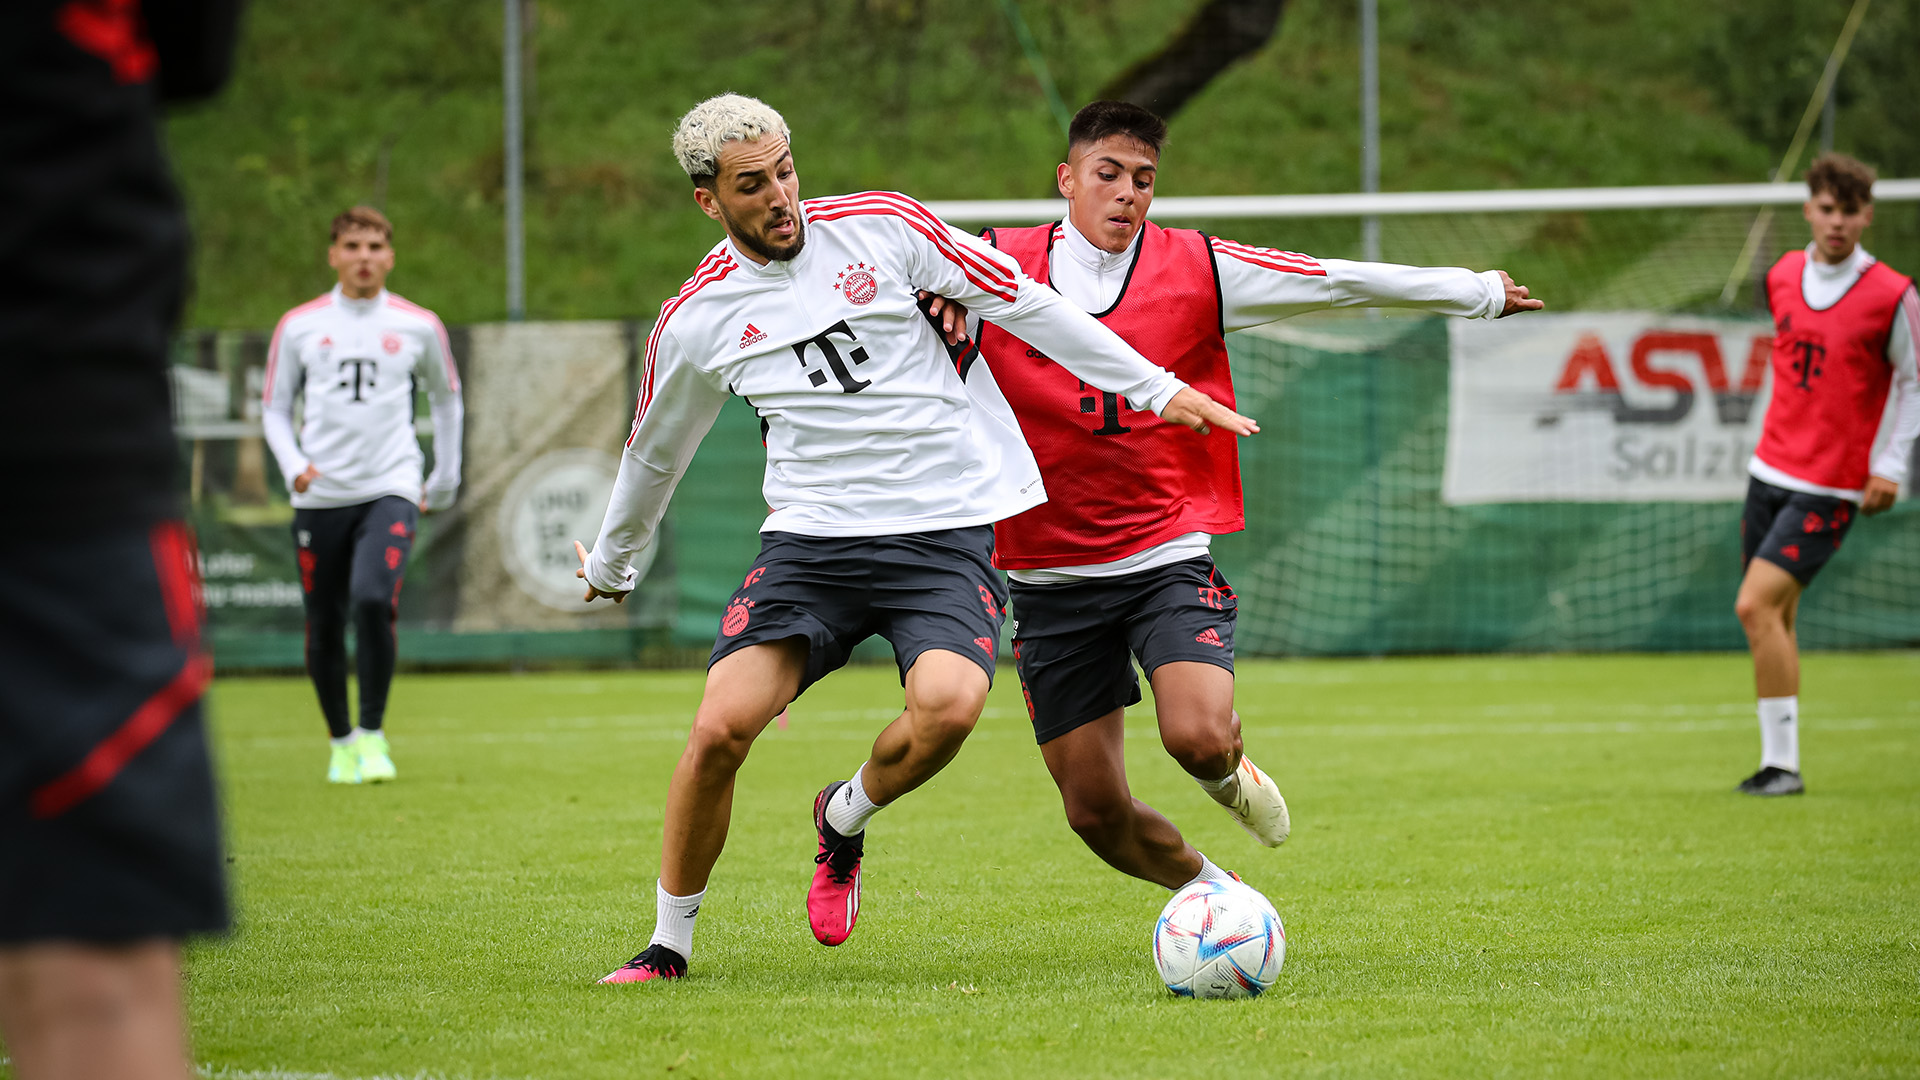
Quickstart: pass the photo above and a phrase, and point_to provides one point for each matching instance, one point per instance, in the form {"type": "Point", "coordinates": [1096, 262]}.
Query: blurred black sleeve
{"type": "Point", "coordinates": [195, 40]}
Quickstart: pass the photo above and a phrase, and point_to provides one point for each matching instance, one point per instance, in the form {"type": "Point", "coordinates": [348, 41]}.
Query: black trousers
{"type": "Point", "coordinates": [352, 562]}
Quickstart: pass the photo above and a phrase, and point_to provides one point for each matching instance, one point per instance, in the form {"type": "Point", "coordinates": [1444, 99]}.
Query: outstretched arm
{"type": "Point", "coordinates": [1260, 285]}
{"type": "Point", "coordinates": [678, 404]}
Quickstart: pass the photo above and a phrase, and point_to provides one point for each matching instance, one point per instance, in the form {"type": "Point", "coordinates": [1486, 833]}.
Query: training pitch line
{"type": "Point", "coordinates": [1659, 720]}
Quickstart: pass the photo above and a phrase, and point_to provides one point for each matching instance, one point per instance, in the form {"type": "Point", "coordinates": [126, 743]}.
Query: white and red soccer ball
{"type": "Point", "coordinates": [1219, 939]}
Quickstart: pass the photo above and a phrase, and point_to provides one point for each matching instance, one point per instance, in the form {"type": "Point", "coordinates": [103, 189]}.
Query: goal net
{"type": "Point", "coordinates": [1566, 481]}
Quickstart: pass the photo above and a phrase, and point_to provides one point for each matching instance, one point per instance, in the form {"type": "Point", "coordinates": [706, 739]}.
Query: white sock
{"type": "Point", "coordinates": [850, 809]}
{"type": "Point", "coordinates": [361, 732]}
{"type": "Point", "coordinates": [673, 919]}
{"type": "Point", "coordinates": [1780, 732]}
{"type": "Point", "coordinates": [345, 740]}
{"type": "Point", "coordinates": [1224, 790]}
{"type": "Point", "coordinates": [1208, 872]}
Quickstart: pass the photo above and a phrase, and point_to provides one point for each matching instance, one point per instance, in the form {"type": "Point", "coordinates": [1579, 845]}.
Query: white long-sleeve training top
{"type": "Point", "coordinates": [354, 362]}
{"type": "Point", "coordinates": [870, 428]}
{"type": "Point", "coordinates": [1823, 286]}
{"type": "Point", "coordinates": [1257, 286]}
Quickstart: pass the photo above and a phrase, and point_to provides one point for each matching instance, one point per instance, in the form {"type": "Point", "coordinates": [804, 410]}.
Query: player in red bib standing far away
{"type": "Point", "coordinates": [886, 469]}
{"type": "Point", "coordinates": [355, 355]}
{"type": "Point", "coordinates": [1116, 562]}
{"type": "Point", "coordinates": [1843, 327]}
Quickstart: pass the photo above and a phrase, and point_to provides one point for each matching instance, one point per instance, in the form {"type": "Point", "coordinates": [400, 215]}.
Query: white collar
{"type": "Point", "coordinates": [1851, 266]}
{"type": "Point", "coordinates": [1099, 260]}
{"type": "Point", "coordinates": [358, 305]}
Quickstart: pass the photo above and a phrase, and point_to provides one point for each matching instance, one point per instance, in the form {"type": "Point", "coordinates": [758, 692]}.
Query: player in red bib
{"type": "Point", "coordinates": [1116, 566]}
{"type": "Point", "coordinates": [1843, 337]}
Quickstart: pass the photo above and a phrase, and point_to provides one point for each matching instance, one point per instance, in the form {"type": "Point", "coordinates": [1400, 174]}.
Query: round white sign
{"type": "Point", "coordinates": [557, 499]}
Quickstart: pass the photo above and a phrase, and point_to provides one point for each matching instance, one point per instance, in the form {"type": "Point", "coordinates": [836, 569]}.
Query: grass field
{"type": "Point", "coordinates": [1500, 866]}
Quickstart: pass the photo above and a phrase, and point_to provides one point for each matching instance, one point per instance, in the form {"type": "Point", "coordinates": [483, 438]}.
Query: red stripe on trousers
{"type": "Point", "coordinates": [173, 551]}
{"type": "Point", "coordinates": [105, 760]}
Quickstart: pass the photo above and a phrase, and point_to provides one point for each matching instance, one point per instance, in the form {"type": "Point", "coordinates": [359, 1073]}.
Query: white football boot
{"type": "Point", "coordinates": [1257, 805]}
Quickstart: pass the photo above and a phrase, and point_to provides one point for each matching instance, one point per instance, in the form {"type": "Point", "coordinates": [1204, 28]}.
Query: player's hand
{"type": "Point", "coordinates": [593, 593]}
{"type": "Point", "coordinates": [950, 316]}
{"type": "Point", "coordinates": [1196, 410]}
{"type": "Point", "coordinates": [1517, 298]}
{"type": "Point", "coordinates": [305, 480]}
{"type": "Point", "coordinates": [1879, 495]}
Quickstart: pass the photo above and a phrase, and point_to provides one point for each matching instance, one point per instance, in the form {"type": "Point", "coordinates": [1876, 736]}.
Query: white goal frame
{"type": "Point", "coordinates": [1224, 207]}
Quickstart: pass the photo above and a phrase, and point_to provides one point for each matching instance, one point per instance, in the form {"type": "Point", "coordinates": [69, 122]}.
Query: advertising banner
{"type": "Point", "coordinates": [1615, 407]}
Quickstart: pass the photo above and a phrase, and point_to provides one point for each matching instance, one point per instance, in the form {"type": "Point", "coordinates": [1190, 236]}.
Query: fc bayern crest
{"type": "Point", "coordinates": [856, 283]}
{"type": "Point", "coordinates": [390, 341]}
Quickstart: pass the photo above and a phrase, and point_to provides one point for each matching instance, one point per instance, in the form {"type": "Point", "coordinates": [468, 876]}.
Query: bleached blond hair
{"type": "Point", "coordinates": [713, 123]}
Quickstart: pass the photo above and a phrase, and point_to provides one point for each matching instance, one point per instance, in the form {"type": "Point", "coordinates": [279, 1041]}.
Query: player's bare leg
{"type": "Point", "coordinates": [1769, 598]}
{"type": "Point", "coordinates": [1768, 605]}
{"type": "Point", "coordinates": [75, 1012]}
{"type": "Point", "coordinates": [944, 695]}
{"type": "Point", "coordinates": [745, 690]}
{"type": "Point", "coordinates": [1201, 730]}
{"type": "Point", "coordinates": [1090, 769]}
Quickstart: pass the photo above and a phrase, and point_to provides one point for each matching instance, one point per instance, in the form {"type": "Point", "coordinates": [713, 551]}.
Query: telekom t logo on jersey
{"type": "Point", "coordinates": [362, 377]}
{"type": "Point", "coordinates": [1589, 379]}
{"type": "Point", "coordinates": [824, 342]}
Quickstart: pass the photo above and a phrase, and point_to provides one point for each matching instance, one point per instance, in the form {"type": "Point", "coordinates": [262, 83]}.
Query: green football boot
{"type": "Point", "coordinates": [345, 766]}
{"type": "Point", "coordinates": [376, 767]}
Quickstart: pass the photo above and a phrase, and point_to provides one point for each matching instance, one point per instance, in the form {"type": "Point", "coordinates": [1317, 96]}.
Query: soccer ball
{"type": "Point", "coordinates": [1219, 939]}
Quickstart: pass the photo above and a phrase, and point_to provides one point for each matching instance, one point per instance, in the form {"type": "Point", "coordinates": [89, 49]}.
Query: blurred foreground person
{"type": "Point", "coordinates": [354, 355]}
{"type": "Point", "coordinates": [886, 468]}
{"type": "Point", "coordinates": [110, 851]}
{"type": "Point", "coordinates": [1843, 330]}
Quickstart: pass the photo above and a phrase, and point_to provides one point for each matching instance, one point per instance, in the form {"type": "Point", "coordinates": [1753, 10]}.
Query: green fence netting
{"type": "Point", "coordinates": [1350, 547]}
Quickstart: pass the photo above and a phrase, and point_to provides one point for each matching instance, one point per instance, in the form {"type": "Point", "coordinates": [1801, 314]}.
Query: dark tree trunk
{"type": "Point", "coordinates": [1220, 34]}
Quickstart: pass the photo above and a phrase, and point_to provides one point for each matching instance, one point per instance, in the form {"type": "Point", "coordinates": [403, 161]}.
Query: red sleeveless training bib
{"type": "Point", "coordinates": [1120, 481]}
{"type": "Point", "coordinates": [1830, 375]}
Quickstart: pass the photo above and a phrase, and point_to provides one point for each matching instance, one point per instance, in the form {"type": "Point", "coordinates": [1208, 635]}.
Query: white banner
{"type": "Point", "coordinates": [1619, 407]}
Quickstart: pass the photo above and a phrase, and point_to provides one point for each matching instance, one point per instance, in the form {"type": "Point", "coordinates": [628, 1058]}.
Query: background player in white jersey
{"type": "Point", "coordinates": [886, 467]}
{"type": "Point", "coordinates": [1116, 564]}
{"type": "Point", "coordinates": [1843, 339]}
{"type": "Point", "coordinates": [355, 355]}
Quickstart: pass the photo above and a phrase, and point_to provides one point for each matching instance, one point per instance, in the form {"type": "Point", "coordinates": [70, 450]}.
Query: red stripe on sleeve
{"type": "Point", "coordinates": [439, 329]}
{"type": "Point", "coordinates": [1284, 261]}
{"type": "Point", "coordinates": [941, 243]}
{"type": "Point", "coordinates": [985, 273]}
{"type": "Point", "coordinates": [715, 268]}
{"type": "Point", "coordinates": [273, 346]}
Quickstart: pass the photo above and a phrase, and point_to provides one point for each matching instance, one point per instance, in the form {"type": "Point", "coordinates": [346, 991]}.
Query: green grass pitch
{"type": "Point", "coordinates": [1499, 866]}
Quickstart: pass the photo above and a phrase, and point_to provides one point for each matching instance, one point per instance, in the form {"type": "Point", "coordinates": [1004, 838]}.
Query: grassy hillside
{"type": "Point", "coordinates": [398, 104]}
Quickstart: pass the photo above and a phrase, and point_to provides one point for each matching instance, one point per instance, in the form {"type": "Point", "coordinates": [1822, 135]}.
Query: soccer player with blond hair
{"type": "Point", "coordinates": [1843, 338]}
{"type": "Point", "coordinates": [887, 466]}
{"type": "Point", "coordinates": [354, 355]}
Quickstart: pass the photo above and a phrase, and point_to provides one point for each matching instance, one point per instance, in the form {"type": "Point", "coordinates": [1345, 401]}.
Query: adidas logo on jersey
{"type": "Point", "coordinates": [753, 336]}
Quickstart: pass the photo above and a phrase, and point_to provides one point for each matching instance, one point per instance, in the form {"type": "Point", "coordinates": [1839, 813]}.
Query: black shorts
{"type": "Point", "coordinates": [108, 825]}
{"type": "Point", "coordinates": [920, 591]}
{"type": "Point", "coordinates": [1073, 644]}
{"type": "Point", "coordinates": [1792, 530]}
